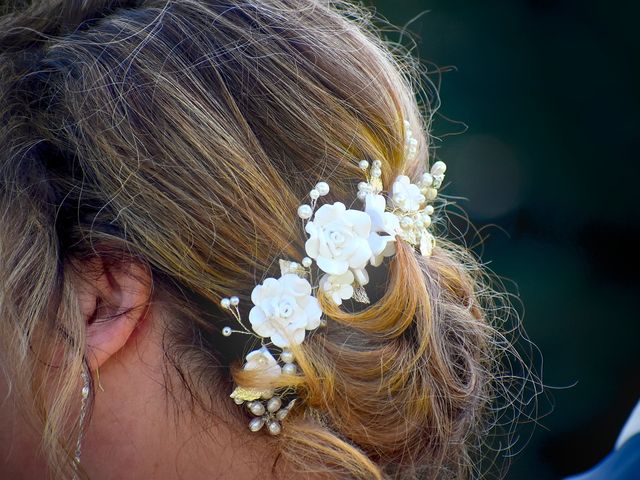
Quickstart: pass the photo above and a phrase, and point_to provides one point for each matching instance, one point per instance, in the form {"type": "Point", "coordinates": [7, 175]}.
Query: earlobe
{"type": "Point", "coordinates": [113, 301]}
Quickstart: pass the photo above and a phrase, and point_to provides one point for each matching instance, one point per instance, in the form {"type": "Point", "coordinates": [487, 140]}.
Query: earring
{"type": "Point", "coordinates": [86, 381]}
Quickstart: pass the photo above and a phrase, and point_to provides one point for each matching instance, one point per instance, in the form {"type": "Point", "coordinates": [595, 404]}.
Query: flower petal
{"type": "Point", "coordinates": [360, 221]}
{"type": "Point", "coordinates": [361, 254]}
{"type": "Point", "coordinates": [295, 285]}
{"type": "Point", "coordinates": [313, 312]}
{"type": "Point", "coordinates": [332, 266]}
{"type": "Point", "coordinates": [345, 291]}
{"type": "Point", "coordinates": [256, 294]}
{"type": "Point", "coordinates": [280, 340]}
{"type": "Point", "coordinates": [328, 212]}
{"type": "Point", "coordinates": [298, 336]}
{"type": "Point", "coordinates": [362, 277]}
{"type": "Point", "coordinates": [312, 246]}
{"type": "Point", "coordinates": [259, 322]}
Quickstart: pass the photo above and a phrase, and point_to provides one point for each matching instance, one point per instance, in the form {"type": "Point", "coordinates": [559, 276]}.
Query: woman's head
{"type": "Point", "coordinates": [171, 141]}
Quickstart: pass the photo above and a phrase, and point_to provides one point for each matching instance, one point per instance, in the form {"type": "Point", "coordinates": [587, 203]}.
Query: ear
{"type": "Point", "coordinates": [113, 301]}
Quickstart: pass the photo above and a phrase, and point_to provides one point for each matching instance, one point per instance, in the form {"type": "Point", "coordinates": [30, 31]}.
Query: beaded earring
{"type": "Point", "coordinates": [84, 396]}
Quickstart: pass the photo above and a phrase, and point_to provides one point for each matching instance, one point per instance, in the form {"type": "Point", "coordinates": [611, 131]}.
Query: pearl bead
{"type": "Point", "coordinates": [376, 172]}
{"type": "Point", "coordinates": [274, 404]}
{"type": "Point", "coordinates": [286, 356]}
{"type": "Point", "coordinates": [363, 164]}
{"type": "Point", "coordinates": [438, 168]}
{"type": "Point", "coordinates": [406, 222]}
{"type": "Point", "coordinates": [257, 408]}
{"type": "Point", "coordinates": [362, 185]}
{"type": "Point", "coordinates": [406, 123]}
{"type": "Point", "coordinates": [426, 220]}
{"type": "Point", "coordinates": [238, 401]}
{"type": "Point", "coordinates": [256, 424]}
{"type": "Point", "coordinates": [85, 391]}
{"type": "Point", "coordinates": [422, 198]}
{"type": "Point", "coordinates": [274, 427]}
{"type": "Point", "coordinates": [304, 211]}
{"type": "Point", "coordinates": [419, 223]}
{"type": "Point", "coordinates": [322, 188]}
{"type": "Point", "coordinates": [413, 142]}
{"type": "Point", "coordinates": [314, 194]}
{"type": "Point", "coordinates": [362, 195]}
{"type": "Point", "coordinates": [289, 369]}
{"type": "Point", "coordinates": [306, 262]}
{"type": "Point", "coordinates": [225, 303]}
{"type": "Point", "coordinates": [234, 301]}
{"type": "Point", "coordinates": [427, 179]}
{"type": "Point", "coordinates": [431, 193]}
{"type": "Point", "coordinates": [226, 331]}
{"type": "Point", "coordinates": [377, 164]}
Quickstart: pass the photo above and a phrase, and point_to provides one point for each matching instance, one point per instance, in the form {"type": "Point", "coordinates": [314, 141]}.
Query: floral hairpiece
{"type": "Point", "coordinates": [342, 242]}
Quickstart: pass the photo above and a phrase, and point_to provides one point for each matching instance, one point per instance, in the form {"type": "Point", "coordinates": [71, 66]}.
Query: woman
{"type": "Point", "coordinates": [184, 251]}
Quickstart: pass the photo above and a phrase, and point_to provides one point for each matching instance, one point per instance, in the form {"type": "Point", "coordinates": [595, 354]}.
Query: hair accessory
{"type": "Point", "coordinates": [341, 242]}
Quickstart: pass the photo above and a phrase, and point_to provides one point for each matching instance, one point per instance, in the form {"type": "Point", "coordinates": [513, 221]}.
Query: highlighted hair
{"type": "Point", "coordinates": [182, 134]}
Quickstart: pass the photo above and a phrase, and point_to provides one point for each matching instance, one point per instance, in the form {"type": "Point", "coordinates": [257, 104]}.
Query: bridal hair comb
{"type": "Point", "coordinates": [341, 242]}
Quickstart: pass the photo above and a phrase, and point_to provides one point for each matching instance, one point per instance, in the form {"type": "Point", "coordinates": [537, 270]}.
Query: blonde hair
{"type": "Point", "coordinates": [182, 135]}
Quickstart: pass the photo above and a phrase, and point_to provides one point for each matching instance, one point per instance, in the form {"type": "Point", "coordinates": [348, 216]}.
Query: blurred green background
{"type": "Point", "coordinates": [548, 90]}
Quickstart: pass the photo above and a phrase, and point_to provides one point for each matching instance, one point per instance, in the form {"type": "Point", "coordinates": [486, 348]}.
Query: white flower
{"type": "Point", "coordinates": [339, 238]}
{"type": "Point", "coordinates": [381, 222]}
{"type": "Point", "coordinates": [338, 286]}
{"type": "Point", "coordinates": [284, 309]}
{"type": "Point", "coordinates": [263, 361]}
{"type": "Point", "coordinates": [406, 195]}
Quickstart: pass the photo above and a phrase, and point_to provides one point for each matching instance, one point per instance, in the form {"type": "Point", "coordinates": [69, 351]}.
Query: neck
{"type": "Point", "coordinates": [141, 429]}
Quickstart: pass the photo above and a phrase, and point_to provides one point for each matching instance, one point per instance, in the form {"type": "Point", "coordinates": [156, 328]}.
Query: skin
{"type": "Point", "coordinates": [134, 430]}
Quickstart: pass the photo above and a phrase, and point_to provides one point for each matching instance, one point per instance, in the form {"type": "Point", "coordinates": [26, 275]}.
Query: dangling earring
{"type": "Point", "coordinates": [86, 382]}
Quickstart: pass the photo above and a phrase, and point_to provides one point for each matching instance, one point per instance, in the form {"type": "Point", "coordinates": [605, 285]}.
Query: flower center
{"type": "Point", "coordinates": [336, 237]}
{"type": "Point", "coordinates": [285, 308]}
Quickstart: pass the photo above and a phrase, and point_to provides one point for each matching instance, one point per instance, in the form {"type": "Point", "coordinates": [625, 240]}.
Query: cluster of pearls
{"type": "Point", "coordinates": [432, 181]}
{"type": "Point", "coordinates": [305, 211]}
{"type": "Point", "coordinates": [373, 183]}
{"type": "Point", "coordinates": [268, 412]}
{"type": "Point", "coordinates": [414, 206]}
{"type": "Point", "coordinates": [411, 143]}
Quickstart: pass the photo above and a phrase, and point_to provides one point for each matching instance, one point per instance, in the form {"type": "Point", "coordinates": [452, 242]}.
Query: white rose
{"type": "Point", "coordinates": [406, 195]}
{"type": "Point", "coordinates": [284, 309]}
{"type": "Point", "coordinates": [339, 239]}
{"type": "Point", "coordinates": [381, 222]}
{"type": "Point", "coordinates": [338, 286]}
{"type": "Point", "coordinates": [263, 361]}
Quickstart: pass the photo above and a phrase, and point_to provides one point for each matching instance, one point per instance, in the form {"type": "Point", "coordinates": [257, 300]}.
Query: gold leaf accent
{"type": "Point", "coordinates": [427, 242]}
{"type": "Point", "coordinates": [248, 394]}
{"type": "Point", "coordinates": [360, 294]}
{"type": "Point", "coordinates": [287, 266]}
